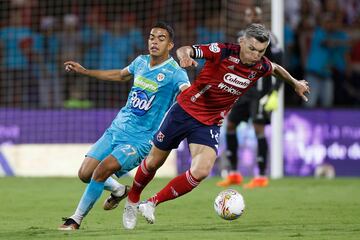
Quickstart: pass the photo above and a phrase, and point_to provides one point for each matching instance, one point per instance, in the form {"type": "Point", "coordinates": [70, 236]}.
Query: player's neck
{"type": "Point", "coordinates": [156, 60]}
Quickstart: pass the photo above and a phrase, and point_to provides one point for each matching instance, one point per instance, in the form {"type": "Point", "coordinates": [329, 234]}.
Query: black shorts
{"type": "Point", "coordinates": [250, 108]}
{"type": "Point", "coordinates": [179, 125]}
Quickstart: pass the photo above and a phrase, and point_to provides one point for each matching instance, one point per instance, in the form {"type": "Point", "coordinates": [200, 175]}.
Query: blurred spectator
{"type": "Point", "coordinates": [71, 48]}
{"type": "Point", "coordinates": [352, 85]}
{"type": "Point", "coordinates": [15, 87]}
{"type": "Point", "coordinates": [351, 10]}
{"type": "Point", "coordinates": [339, 44]}
{"type": "Point", "coordinates": [92, 33]}
{"type": "Point", "coordinates": [211, 31]}
{"type": "Point", "coordinates": [292, 12]}
{"type": "Point", "coordinates": [118, 45]}
{"type": "Point", "coordinates": [318, 72]}
{"type": "Point", "coordinates": [47, 72]}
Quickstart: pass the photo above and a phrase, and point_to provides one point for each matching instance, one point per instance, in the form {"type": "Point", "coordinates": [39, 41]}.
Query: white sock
{"type": "Point", "coordinates": [78, 217]}
{"type": "Point", "coordinates": [114, 187]}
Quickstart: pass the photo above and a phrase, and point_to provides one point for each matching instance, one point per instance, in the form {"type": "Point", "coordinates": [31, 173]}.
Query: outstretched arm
{"type": "Point", "coordinates": [300, 86]}
{"type": "Point", "coordinates": [108, 75]}
{"type": "Point", "coordinates": [185, 55]}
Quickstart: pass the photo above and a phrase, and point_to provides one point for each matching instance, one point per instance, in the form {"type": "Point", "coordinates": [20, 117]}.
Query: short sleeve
{"type": "Point", "coordinates": [181, 78]}
{"type": "Point", "coordinates": [133, 65]}
{"type": "Point", "coordinates": [267, 67]}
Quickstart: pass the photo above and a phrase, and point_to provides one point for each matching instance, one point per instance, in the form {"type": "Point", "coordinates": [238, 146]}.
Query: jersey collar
{"type": "Point", "coordinates": [159, 65]}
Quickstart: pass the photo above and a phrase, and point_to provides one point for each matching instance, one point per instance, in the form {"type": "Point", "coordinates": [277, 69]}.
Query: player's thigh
{"type": "Point", "coordinates": [106, 168]}
{"type": "Point", "coordinates": [102, 147]}
{"type": "Point", "coordinates": [203, 159]}
{"type": "Point", "coordinates": [239, 112]}
{"type": "Point", "coordinates": [129, 154]}
{"type": "Point", "coordinates": [87, 168]}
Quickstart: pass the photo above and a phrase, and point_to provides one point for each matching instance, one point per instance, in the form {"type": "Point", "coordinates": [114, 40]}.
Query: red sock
{"type": "Point", "coordinates": [177, 187]}
{"type": "Point", "coordinates": [141, 179]}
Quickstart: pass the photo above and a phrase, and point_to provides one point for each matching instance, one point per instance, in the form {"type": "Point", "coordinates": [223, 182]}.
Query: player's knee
{"type": "Point", "coordinates": [200, 173]}
{"type": "Point", "coordinates": [154, 161]}
{"type": "Point", "coordinates": [83, 176]}
{"type": "Point", "coordinates": [152, 165]}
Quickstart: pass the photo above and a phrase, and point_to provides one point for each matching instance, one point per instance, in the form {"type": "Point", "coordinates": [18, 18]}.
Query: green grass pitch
{"type": "Point", "coordinates": [290, 208]}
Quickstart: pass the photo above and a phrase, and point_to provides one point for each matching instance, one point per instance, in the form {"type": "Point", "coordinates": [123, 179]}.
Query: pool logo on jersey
{"type": "Point", "coordinates": [214, 48]}
{"type": "Point", "coordinates": [160, 77]}
{"type": "Point", "coordinates": [160, 137]}
{"type": "Point", "coordinates": [140, 102]}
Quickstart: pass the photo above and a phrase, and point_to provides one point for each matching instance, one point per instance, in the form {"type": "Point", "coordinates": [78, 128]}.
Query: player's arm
{"type": "Point", "coordinates": [300, 86]}
{"type": "Point", "coordinates": [186, 56]}
{"type": "Point", "coordinates": [108, 75]}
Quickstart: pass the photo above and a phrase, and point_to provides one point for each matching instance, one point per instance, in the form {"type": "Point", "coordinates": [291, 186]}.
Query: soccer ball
{"type": "Point", "coordinates": [229, 204]}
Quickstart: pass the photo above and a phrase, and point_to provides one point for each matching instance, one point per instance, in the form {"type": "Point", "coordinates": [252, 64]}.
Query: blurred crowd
{"type": "Point", "coordinates": [322, 45]}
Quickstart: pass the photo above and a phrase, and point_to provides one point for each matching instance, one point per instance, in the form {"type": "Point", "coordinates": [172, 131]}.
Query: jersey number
{"type": "Point", "coordinates": [128, 150]}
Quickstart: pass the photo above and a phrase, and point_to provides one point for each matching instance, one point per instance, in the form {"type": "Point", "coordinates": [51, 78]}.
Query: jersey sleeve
{"type": "Point", "coordinates": [210, 51]}
{"type": "Point", "coordinates": [133, 65]}
{"type": "Point", "coordinates": [267, 67]}
{"type": "Point", "coordinates": [181, 79]}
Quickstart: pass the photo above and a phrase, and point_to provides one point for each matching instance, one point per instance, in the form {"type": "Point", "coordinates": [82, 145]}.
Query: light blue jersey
{"type": "Point", "coordinates": [152, 94]}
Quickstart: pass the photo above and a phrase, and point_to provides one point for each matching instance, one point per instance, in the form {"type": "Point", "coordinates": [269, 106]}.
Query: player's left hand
{"type": "Point", "coordinates": [188, 62]}
{"type": "Point", "coordinates": [221, 122]}
{"type": "Point", "coordinates": [301, 88]}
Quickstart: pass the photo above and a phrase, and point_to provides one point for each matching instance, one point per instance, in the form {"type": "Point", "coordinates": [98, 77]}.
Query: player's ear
{"type": "Point", "coordinates": [241, 41]}
{"type": "Point", "coordinates": [170, 46]}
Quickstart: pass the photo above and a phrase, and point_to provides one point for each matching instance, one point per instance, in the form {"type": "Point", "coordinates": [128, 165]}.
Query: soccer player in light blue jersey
{"type": "Point", "coordinates": [157, 81]}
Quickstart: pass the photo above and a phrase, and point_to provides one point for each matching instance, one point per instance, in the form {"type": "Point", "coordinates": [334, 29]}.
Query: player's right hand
{"type": "Point", "coordinates": [74, 66]}
{"type": "Point", "coordinates": [188, 62]}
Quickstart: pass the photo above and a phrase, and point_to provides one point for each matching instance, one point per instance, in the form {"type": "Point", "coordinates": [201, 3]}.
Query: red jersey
{"type": "Point", "coordinates": [220, 83]}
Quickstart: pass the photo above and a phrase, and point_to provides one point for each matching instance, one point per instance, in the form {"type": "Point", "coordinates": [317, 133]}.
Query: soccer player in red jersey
{"type": "Point", "coordinates": [229, 71]}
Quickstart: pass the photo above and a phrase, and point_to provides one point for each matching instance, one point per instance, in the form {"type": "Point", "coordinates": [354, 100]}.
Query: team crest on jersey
{"type": "Point", "coordinates": [160, 77]}
{"type": "Point", "coordinates": [252, 75]}
{"type": "Point", "coordinates": [160, 137]}
{"type": "Point", "coordinates": [214, 48]}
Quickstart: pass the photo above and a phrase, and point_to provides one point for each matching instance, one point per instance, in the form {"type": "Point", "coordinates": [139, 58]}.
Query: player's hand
{"type": "Point", "coordinates": [188, 62]}
{"type": "Point", "coordinates": [71, 66]}
{"type": "Point", "coordinates": [301, 88]}
{"type": "Point", "coordinates": [221, 122]}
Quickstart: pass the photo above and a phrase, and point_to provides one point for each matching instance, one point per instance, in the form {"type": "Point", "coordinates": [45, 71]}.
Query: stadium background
{"type": "Point", "coordinates": [49, 118]}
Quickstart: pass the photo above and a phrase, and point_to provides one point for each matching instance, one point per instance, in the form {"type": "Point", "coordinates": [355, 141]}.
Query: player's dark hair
{"type": "Point", "coordinates": [257, 31]}
{"type": "Point", "coordinates": [167, 27]}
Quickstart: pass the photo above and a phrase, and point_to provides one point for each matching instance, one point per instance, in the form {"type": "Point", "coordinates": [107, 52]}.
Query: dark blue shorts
{"type": "Point", "coordinates": [179, 125]}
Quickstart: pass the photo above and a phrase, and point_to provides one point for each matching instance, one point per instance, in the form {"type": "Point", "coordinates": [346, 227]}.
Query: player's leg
{"type": "Point", "coordinates": [93, 191]}
{"type": "Point", "coordinates": [87, 168]}
{"type": "Point", "coordinates": [203, 159]}
{"type": "Point", "coordinates": [262, 148]}
{"type": "Point", "coordinates": [203, 143]}
{"type": "Point", "coordinates": [238, 113]}
{"type": "Point", "coordinates": [260, 119]}
{"type": "Point", "coordinates": [168, 137]}
{"type": "Point", "coordinates": [99, 151]}
{"type": "Point", "coordinates": [144, 174]}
